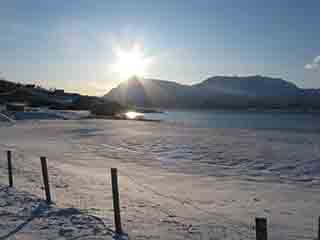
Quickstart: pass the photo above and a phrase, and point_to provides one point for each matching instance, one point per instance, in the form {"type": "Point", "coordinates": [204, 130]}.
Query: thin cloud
{"type": "Point", "coordinates": [315, 65]}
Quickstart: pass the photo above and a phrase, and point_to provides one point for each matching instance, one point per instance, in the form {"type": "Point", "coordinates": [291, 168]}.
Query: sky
{"type": "Point", "coordinates": [72, 44]}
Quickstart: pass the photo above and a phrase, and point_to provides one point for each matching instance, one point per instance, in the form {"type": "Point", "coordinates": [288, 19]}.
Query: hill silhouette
{"type": "Point", "coordinates": [215, 92]}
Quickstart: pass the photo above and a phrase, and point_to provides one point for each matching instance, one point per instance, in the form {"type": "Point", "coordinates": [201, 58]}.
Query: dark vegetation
{"type": "Point", "coordinates": [36, 96]}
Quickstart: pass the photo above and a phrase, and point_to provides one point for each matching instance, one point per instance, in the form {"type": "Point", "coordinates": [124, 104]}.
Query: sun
{"type": "Point", "coordinates": [132, 62]}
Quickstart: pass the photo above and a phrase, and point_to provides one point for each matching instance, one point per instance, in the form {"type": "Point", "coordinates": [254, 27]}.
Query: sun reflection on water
{"type": "Point", "coordinates": [133, 115]}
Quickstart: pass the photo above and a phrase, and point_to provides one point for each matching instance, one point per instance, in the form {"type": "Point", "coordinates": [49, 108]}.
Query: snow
{"type": "Point", "coordinates": [45, 114]}
{"type": "Point", "coordinates": [28, 217]}
{"type": "Point", "coordinates": [3, 118]}
{"type": "Point", "coordinates": [175, 182]}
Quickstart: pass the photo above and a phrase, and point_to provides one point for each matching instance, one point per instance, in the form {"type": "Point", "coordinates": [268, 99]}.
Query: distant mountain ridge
{"type": "Point", "coordinates": [215, 92]}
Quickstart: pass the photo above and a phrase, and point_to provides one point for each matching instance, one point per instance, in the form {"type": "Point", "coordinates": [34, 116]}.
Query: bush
{"type": "Point", "coordinates": [106, 109]}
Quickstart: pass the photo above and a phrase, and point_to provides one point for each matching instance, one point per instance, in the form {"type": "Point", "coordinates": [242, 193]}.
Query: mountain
{"type": "Point", "coordinates": [150, 93]}
{"type": "Point", "coordinates": [215, 92]}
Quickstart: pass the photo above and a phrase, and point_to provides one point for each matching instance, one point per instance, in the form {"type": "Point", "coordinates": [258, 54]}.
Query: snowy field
{"type": "Point", "coordinates": [175, 182]}
{"type": "Point", "coordinates": [28, 217]}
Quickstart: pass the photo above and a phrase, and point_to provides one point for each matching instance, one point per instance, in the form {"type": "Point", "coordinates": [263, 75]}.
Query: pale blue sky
{"type": "Point", "coordinates": [70, 43]}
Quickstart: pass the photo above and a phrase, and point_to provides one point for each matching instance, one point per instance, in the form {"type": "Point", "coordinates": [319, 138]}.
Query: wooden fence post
{"type": "Point", "coordinates": [318, 228]}
{"type": "Point", "coordinates": [45, 176]}
{"type": "Point", "coordinates": [116, 203]}
{"type": "Point", "coordinates": [261, 229]}
{"type": "Point", "coordinates": [10, 168]}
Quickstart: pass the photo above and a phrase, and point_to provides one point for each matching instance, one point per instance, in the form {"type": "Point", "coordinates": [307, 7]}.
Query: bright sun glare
{"type": "Point", "coordinates": [130, 62]}
{"type": "Point", "coordinates": [133, 115]}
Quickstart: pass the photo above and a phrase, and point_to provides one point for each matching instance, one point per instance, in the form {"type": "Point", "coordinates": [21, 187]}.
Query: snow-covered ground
{"type": "Point", "coordinates": [25, 216]}
{"type": "Point", "coordinates": [44, 114]}
{"type": "Point", "coordinates": [175, 182]}
{"type": "Point", "coordinates": [3, 118]}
